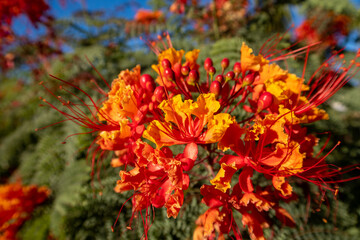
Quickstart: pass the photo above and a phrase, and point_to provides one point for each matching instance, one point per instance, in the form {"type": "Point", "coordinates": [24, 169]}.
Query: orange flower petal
{"type": "Point", "coordinates": [282, 185]}
{"type": "Point", "coordinates": [223, 177]}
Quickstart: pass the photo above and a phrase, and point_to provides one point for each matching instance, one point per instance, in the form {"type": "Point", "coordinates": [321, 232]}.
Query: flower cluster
{"type": "Point", "coordinates": [36, 14]}
{"type": "Point", "coordinates": [142, 119]}
{"type": "Point", "coordinates": [229, 16]}
{"type": "Point", "coordinates": [328, 28]}
{"type": "Point", "coordinates": [143, 20]}
{"type": "Point", "coordinates": [10, 9]}
{"type": "Point", "coordinates": [17, 202]}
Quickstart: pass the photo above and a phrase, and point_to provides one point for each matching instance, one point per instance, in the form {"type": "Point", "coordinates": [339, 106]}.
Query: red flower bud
{"type": "Point", "coordinates": [249, 78]}
{"type": "Point", "coordinates": [208, 63]}
{"type": "Point", "coordinates": [219, 78]}
{"type": "Point", "coordinates": [193, 77]}
{"type": "Point", "coordinates": [229, 76]}
{"type": "Point", "coordinates": [169, 74]}
{"type": "Point", "coordinates": [237, 68]}
{"type": "Point", "coordinates": [265, 100]}
{"type": "Point", "coordinates": [215, 88]}
{"type": "Point", "coordinates": [177, 70]}
{"type": "Point", "coordinates": [212, 71]}
{"type": "Point", "coordinates": [185, 70]}
{"type": "Point", "coordinates": [224, 63]}
{"type": "Point", "coordinates": [165, 63]}
{"type": "Point", "coordinates": [159, 94]}
{"type": "Point", "coordinates": [147, 82]}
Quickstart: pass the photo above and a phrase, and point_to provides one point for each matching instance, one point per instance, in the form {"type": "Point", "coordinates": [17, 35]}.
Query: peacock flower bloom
{"type": "Point", "coordinates": [147, 16]}
{"type": "Point", "coordinates": [329, 32]}
{"type": "Point", "coordinates": [265, 148]}
{"type": "Point", "coordinates": [125, 111]}
{"type": "Point", "coordinates": [178, 6]}
{"type": "Point", "coordinates": [185, 122]}
{"type": "Point", "coordinates": [208, 225]}
{"type": "Point", "coordinates": [307, 31]}
{"type": "Point", "coordinates": [284, 86]}
{"type": "Point", "coordinates": [250, 62]}
{"type": "Point", "coordinates": [289, 91]}
{"type": "Point", "coordinates": [254, 208]}
{"type": "Point", "coordinates": [116, 139]}
{"type": "Point", "coordinates": [312, 114]}
{"type": "Point", "coordinates": [17, 202]}
{"type": "Point", "coordinates": [121, 103]}
{"type": "Point", "coordinates": [173, 63]}
{"type": "Point", "coordinates": [128, 98]}
{"type": "Point", "coordinates": [158, 179]}
{"type": "Point", "coordinates": [191, 58]}
{"type": "Point", "coordinates": [174, 57]}
{"type": "Point", "coordinates": [120, 120]}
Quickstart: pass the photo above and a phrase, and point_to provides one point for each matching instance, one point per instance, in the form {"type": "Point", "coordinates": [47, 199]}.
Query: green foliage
{"type": "Point", "coordinates": [340, 7]}
{"type": "Point", "coordinates": [36, 228]}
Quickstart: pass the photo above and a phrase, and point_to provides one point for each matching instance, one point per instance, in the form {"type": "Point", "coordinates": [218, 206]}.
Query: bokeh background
{"type": "Point", "coordinates": [39, 38]}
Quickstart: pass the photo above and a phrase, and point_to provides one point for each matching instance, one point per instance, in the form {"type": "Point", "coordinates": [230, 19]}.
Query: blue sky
{"type": "Point", "coordinates": [123, 8]}
{"type": "Point", "coordinates": [119, 8]}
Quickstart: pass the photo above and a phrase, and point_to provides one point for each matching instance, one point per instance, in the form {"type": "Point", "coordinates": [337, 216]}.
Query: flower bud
{"type": "Point", "coordinates": [229, 76]}
{"type": "Point", "coordinates": [177, 70]}
{"type": "Point", "coordinates": [193, 77]}
{"type": "Point", "coordinates": [249, 78]}
{"type": "Point", "coordinates": [208, 63]}
{"type": "Point", "coordinates": [159, 94]}
{"type": "Point", "coordinates": [147, 82]}
{"type": "Point", "coordinates": [237, 68]}
{"type": "Point", "coordinates": [215, 88]}
{"type": "Point", "coordinates": [219, 78]}
{"type": "Point", "coordinates": [265, 100]}
{"type": "Point", "coordinates": [185, 70]}
{"type": "Point", "coordinates": [165, 63]}
{"type": "Point", "coordinates": [169, 74]}
{"type": "Point", "coordinates": [224, 63]}
{"type": "Point", "coordinates": [212, 71]}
